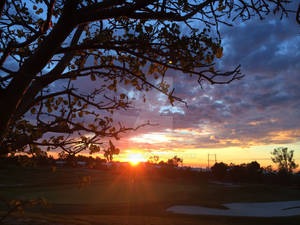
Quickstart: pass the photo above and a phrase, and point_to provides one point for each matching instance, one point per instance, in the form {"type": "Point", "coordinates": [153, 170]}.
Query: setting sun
{"type": "Point", "coordinates": [135, 158]}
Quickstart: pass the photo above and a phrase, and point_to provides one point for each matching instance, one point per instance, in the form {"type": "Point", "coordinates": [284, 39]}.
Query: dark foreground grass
{"type": "Point", "coordinates": [130, 197]}
{"type": "Point", "coordinates": [82, 219]}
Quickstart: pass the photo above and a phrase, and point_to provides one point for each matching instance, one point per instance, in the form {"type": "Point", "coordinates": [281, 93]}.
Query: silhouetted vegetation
{"type": "Point", "coordinates": [253, 173]}
{"type": "Point", "coordinates": [219, 170]}
{"type": "Point", "coordinates": [250, 172]}
{"type": "Point", "coordinates": [65, 160]}
{"type": "Point", "coordinates": [284, 159]}
{"type": "Point", "coordinates": [85, 172]}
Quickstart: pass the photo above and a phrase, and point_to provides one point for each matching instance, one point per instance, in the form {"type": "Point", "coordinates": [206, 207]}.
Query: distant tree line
{"type": "Point", "coordinates": [173, 168]}
{"type": "Point", "coordinates": [237, 173]}
{"type": "Point", "coordinates": [46, 160]}
{"type": "Point", "coordinates": [253, 172]}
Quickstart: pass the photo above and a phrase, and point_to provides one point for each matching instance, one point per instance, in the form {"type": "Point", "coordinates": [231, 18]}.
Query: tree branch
{"type": "Point", "coordinates": [162, 15]}
{"type": "Point", "coordinates": [298, 15]}
{"type": "Point", "coordinates": [45, 80]}
{"type": "Point", "coordinates": [2, 4]}
{"type": "Point", "coordinates": [106, 10]}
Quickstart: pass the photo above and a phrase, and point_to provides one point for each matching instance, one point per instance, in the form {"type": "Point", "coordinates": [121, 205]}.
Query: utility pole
{"type": "Point", "coordinates": [211, 157]}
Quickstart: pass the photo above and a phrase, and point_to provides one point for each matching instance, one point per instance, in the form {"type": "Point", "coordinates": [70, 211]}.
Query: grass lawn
{"type": "Point", "coordinates": [130, 197]}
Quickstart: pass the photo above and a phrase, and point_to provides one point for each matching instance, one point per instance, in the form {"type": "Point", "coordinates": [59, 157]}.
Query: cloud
{"type": "Point", "coordinates": [263, 108]}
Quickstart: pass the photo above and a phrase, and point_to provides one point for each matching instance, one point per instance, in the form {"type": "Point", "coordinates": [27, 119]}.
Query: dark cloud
{"type": "Point", "coordinates": [262, 108]}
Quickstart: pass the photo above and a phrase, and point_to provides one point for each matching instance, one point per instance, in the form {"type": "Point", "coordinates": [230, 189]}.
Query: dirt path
{"type": "Point", "coordinates": [266, 209]}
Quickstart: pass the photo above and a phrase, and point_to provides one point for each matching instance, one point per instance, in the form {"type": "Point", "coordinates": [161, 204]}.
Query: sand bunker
{"type": "Point", "coordinates": [266, 209]}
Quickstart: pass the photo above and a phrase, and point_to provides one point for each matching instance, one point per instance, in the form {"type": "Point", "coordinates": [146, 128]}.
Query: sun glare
{"type": "Point", "coordinates": [135, 158]}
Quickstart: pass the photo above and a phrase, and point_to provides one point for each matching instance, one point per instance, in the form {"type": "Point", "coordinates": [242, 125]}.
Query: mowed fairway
{"type": "Point", "coordinates": [131, 196]}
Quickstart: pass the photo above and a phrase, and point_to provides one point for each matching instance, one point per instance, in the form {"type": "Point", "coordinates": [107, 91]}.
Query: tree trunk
{"type": "Point", "coordinates": [11, 97]}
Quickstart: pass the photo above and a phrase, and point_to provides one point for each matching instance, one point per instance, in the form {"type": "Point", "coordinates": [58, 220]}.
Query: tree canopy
{"type": "Point", "coordinates": [49, 47]}
{"type": "Point", "coordinates": [175, 161]}
{"type": "Point", "coordinates": [284, 159]}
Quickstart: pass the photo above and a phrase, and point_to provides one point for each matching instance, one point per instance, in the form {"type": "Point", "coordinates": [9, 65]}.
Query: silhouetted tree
{"type": "Point", "coordinates": [237, 173]}
{"type": "Point", "coordinates": [284, 159]}
{"type": "Point", "coordinates": [48, 44]}
{"type": "Point", "coordinates": [175, 161]}
{"type": "Point", "coordinates": [153, 159]}
{"type": "Point", "coordinates": [110, 152]}
{"type": "Point", "coordinates": [219, 170]}
{"type": "Point", "coordinates": [253, 171]}
{"type": "Point", "coordinates": [245, 172]}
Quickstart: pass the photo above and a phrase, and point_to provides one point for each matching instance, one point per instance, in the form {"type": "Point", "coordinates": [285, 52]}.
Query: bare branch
{"type": "Point", "coordinates": [298, 14]}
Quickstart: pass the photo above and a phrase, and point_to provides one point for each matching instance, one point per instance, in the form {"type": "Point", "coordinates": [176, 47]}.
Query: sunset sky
{"type": "Point", "coordinates": [240, 122]}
